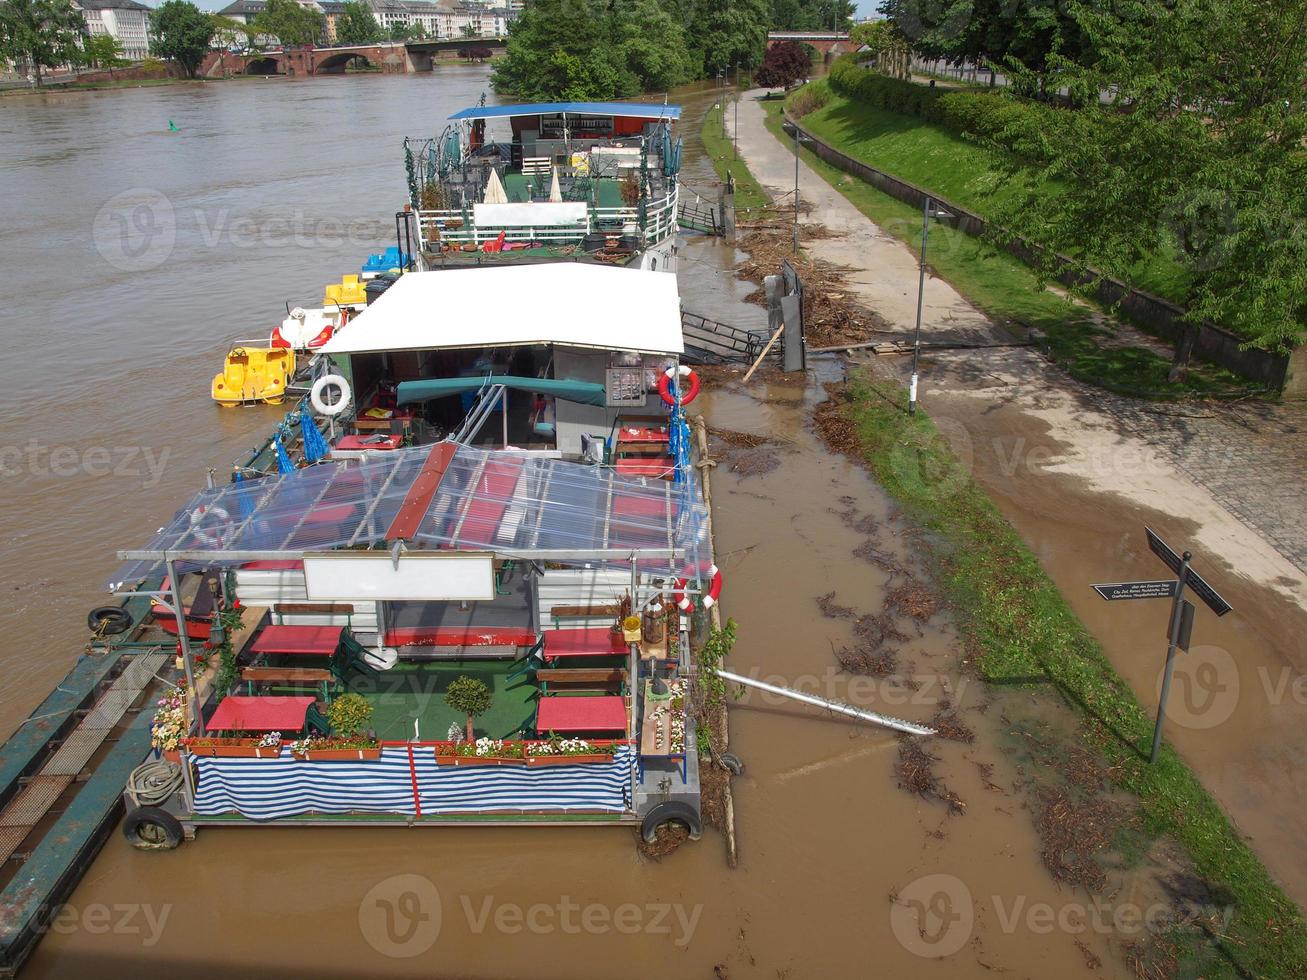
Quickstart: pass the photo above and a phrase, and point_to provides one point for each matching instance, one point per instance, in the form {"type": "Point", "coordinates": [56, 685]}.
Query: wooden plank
{"type": "Point", "coordinates": [414, 508]}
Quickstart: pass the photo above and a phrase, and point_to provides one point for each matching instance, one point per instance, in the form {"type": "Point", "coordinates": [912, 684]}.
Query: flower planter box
{"type": "Point", "coordinates": [339, 755]}
{"type": "Point", "coordinates": [245, 750]}
{"type": "Point", "coordinates": [478, 760]}
{"type": "Point", "coordinates": [569, 760]}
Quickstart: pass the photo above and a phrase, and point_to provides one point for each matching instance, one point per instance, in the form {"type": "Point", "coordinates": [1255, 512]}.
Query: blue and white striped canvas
{"type": "Point", "coordinates": [265, 789]}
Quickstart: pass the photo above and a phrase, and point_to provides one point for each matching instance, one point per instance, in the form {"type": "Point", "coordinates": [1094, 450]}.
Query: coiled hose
{"type": "Point", "coordinates": [153, 782]}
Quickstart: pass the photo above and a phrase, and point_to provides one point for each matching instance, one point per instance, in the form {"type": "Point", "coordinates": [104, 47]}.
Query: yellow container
{"type": "Point", "coordinates": [253, 374]}
{"type": "Point", "coordinates": [347, 292]}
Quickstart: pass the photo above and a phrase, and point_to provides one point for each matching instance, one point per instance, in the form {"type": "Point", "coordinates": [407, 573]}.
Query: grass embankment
{"type": "Point", "coordinates": [959, 170]}
{"type": "Point", "coordinates": [1019, 629]}
{"type": "Point", "coordinates": [750, 198]}
{"type": "Point", "coordinates": [1004, 287]}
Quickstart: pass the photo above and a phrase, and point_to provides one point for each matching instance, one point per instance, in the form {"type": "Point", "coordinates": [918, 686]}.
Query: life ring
{"type": "Point", "coordinates": [710, 597]}
{"type": "Point", "coordinates": [208, 536]}
{"type": "Point", "coordinates": [672, 374]}
{"type": "Point", "coordinates": [320, 404]}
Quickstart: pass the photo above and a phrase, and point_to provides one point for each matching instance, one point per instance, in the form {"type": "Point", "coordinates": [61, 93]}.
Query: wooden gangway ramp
{"type": "Point", "coordinates": [61, 781]}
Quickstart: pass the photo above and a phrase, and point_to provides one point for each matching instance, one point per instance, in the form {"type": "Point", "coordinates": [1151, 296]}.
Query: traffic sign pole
{"type": "Point", "coordinates": [1177, 606]}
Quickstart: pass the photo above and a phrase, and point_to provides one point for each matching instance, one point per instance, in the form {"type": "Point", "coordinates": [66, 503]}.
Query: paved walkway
{"type": "Point", "coordinates": [1251, 457]}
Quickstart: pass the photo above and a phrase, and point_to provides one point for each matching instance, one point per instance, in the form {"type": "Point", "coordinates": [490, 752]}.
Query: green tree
{"type": "Point", "coordinates": [467, 30]}
{"type": "Point", "coordinates": [469, 696]}
{"type": "Point", "coordinates": [181, 31]}
{"type": "Point", "coordinates": [228, 31]}
{"type": "Point", "coordinates": [41, 33]}
{"type": "Point", "coordinates": [103, 51]}
{"type": "Point", "coordinates": [291, 23]}
{"type": "Point", "coordinates": [730, 33]}
{"type": "Point", "coordinates": [784, 64]}
{"type": "Point", "coordinates": [651, 45]}
{"type": "Point", "coordinates": [356, 25]}
{"type": "Point", "coordinates": [1196, 150]}
{"type": "Point", "coordinates": [562, 49]}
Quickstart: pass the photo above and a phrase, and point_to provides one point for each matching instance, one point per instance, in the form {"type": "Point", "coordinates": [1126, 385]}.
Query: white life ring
{"type": "Point", "coordinates": [710, 597]}
{"type": "Point", "coordinates": [320, 404]}
{"type": "Point", "coordinates": [208, 536]}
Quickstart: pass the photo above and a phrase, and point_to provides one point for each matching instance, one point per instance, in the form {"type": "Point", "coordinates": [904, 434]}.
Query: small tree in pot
{"type": "Point", "coordinates": [349, 714]}
{"type": "Point", "coordinates": [471, 697]}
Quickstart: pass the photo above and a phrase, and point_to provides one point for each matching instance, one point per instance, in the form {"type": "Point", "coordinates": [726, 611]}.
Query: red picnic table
{"type": "Point", "coordinates": [635, 466]}
{"type": "Point", "coordinates": [594, 641]}
{"type": "Point", "coordinates": [377, 442]}
{"type": "Point", "coordinates": [642, 433]}
{"type": "Point", "coordinates": [255, 714]}
{"type": "Point", "coordinates": [300, 641]}
{"type": "Point", "coordinates": [581, 713]}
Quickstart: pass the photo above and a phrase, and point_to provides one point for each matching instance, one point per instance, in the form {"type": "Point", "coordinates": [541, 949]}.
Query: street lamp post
{"type": "Point", "coordinates": [926, 214]}
{"type": "Point", "coordinates": [796, 190]}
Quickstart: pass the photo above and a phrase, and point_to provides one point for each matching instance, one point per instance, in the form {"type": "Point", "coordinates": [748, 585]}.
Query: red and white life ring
{"type": "Point", "coordinates": [208, 536]}
{"type": "Point", "coordinates": [683, 375]}
{"type": "Point", "coordinates": [710, 597]}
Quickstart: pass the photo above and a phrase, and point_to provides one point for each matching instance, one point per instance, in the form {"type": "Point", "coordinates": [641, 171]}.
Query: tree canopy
{"type": "Point", "coordinates": [41, 33]}
{"type": "Point", "coordinates": [811, 15]}
{"type": "Point", "coordinates": [290, 22]}
{"type": "Point", "coordinates": [103, 51]}
{"type": "Point", "coordinates": [784, 64]}
{"type": "Point", "coordinates": [355, 24]}
{"type": "Point", "coordinates": [181, 31]}
{"type": "Point", "coordinates": [589, 49]}
{"type": "Point", "coordinates": [1188, 139]}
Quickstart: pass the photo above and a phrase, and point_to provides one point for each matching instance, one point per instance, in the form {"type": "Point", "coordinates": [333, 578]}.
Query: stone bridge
{"type": "Point", "coordinates": [395, 57]}
{"type": "Point", "coordinates": [828, 43]}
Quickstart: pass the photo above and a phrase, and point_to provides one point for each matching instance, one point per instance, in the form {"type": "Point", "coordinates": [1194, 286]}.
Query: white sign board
{"type": "Point", "coordinates": [366, 576]}
{"type": "Point", "coordinates": [532, 214]}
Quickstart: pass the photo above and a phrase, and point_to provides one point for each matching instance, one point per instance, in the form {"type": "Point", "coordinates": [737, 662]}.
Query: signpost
{"type": "Point", "coordinates": [1181, 623]}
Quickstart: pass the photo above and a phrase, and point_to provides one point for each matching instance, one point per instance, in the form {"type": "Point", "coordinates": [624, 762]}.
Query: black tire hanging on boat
{"type": "Point", "coordinates": [149, 828]}
{"type": "Point", "coordinates": [109, 619]}
{"type": "Point", "coordinates": [670, 812]}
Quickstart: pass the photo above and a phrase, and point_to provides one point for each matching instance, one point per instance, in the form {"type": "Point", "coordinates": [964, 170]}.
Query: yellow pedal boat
{"type": "Point", "coordinates": [254, 374]}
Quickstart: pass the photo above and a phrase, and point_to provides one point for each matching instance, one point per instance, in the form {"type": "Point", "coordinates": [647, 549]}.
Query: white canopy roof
{"type": "Point", "coordinates": [574, 304]}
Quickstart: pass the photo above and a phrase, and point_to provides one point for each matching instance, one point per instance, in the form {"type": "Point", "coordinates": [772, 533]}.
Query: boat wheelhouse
{"type": "Point", "coordinates": [589, 180]}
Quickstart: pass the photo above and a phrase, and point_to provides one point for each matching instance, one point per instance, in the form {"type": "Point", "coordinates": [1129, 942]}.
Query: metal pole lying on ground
{"type": "Point", "coordinates": [749, 374]}
{"type": "Point", "coordinates": [898, 724]}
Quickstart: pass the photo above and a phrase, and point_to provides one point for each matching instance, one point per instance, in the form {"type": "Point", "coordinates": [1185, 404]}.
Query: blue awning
{"type": "Point", "coordinates": [638, 110]}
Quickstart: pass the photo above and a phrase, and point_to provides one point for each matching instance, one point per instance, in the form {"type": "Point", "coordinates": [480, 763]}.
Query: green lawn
{"type": "Point", "coordinates": [415, 690]}
{"type": "Point", "coordinates": [959, 170]}
{"type": "Point", "coordinates": [1005, 288]}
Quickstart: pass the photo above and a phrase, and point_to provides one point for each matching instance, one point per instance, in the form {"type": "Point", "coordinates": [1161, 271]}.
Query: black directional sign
{"type": "Point", "coordinates": [1192, 579]}
{"type": "Point", "coordinates": [1112, 591]}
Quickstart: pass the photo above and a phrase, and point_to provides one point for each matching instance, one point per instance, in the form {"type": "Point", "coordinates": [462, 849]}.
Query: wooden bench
{"type": "Point", "coordinates": [608, 679]}
{"type": "Point", "coordinates": [606, 611]}
{"type": "Point", "coordinates": [293, 676]}
{"type": "Point", "coordinates": [283, 609]}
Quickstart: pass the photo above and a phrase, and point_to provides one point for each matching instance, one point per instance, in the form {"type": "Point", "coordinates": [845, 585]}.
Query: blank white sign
{"type": "Point", "coordinates": [364, 576]}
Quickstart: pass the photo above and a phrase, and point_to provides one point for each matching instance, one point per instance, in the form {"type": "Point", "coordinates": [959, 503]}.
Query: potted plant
{"type": "Point", "coordinates": [169, 725]}
{"type": "Point", "coordinates": [349, 715]}
{"type": "Point", "coordinates": [559, 751]}
{"type": "Point", "coordinates": [470, 697]}
{"type": "Point", "coordinates": [266, 745]}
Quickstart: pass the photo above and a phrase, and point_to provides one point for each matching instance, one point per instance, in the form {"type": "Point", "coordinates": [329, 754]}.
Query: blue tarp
{"type": "Point", "coordinates": [638, 110]}
{"type": "Point", "coordinates": [315, 447]}
{"type": "Point", "coordinates": [284, 465]}
{"type": "Point", "coordinates": [585, 392]}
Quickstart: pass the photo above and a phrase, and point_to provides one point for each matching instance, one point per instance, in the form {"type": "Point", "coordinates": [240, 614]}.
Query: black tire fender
{"type": "Point", "coordinates": [731, 763]}
{"type": "Point", "coordinates": [149, 828]}
{"type": "Point", "coordinates": [110, 619]}
{"type": "Point", "coordinates": [668, 812]}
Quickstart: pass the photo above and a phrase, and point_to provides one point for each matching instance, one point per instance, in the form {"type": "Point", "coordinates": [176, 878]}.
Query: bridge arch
{"type": "Point", "coordinates": [263, 66]}
{"type": "Point", "coordinates": [336, 64]}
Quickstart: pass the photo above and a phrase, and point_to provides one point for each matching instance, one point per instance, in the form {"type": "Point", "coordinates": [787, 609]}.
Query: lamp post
{"type": "Point", "coordinates": [926, 214]}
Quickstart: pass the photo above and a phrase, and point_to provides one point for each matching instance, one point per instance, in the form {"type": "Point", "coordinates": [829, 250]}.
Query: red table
{"type": "Point", "coordinates": [581, 714]}
{"type": "Point", "coordinates": [302, 641]}
{"type": "Point", "coordinates": [642, 433]}
{"type": "Point", "coordinates": [595, 641]}
{"type": "Point", "coordinates": [627, 466]}
{"type": "Point", "coordinates": [271, 714]}
{"type": "Point", "coordinates": [378, 442]}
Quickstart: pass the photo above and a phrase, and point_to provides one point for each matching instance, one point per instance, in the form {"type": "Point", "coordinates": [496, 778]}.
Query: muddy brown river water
{"type": "Point", "coordinates": [276, 187]}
